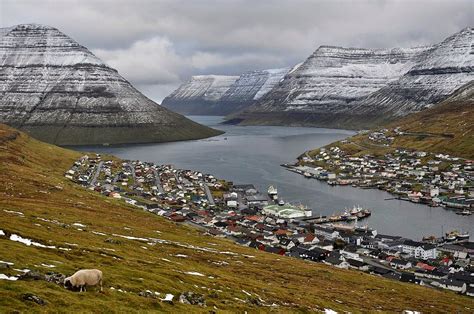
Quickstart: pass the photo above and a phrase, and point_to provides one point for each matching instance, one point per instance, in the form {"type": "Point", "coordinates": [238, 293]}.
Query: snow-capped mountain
{"type": "Point", "coordinates": [222, 95]}
{"type": "Point", "coordinates": [442, 70]}
{"type": "Point", "coordinates": [58, 91]}
{"type": "Point", "coordinates": [358, 88]}
{"type": "Point", "coordinates": [199, 95]}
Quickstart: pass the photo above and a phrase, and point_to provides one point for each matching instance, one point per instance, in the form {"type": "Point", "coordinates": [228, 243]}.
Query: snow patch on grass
{"type": "Point", "coordinates": [194, 273]}
{"type": "Point", "coordinates": [29, 242]}
{"type": "Point", "coordinates": [5, 277]}
{"type": "Point", "coordinates": [14, 212]}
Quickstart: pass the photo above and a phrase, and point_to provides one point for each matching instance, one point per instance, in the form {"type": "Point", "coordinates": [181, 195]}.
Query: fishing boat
{"type": "Point", "coordinates": [463, 236]}
{"type": "Point", "coordinates": [465, 212]}
{"type": "Point", "coordinates": [452, 235]}
{"type": "Point", "coordinates": [281, 202]}
{"type": "Point", "coordinates": [307, 175]}
{"type": "Point", "coordinates": [345, 215]}
{"type": "Point", "coordinates": [355, 210]}
{"type": "Point", "coordinates": [272, 192]}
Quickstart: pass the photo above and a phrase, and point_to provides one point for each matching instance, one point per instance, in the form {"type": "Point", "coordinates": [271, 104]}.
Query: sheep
{"type": "Point", "coordinates": [83, 278]}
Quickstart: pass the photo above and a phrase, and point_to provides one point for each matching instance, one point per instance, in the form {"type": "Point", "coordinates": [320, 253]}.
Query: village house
{"type": "Point", "coordinates": [400, 264]}
{"type": "Point", "coordinates": [453, 285]}
{"type": "Point", "coordinates": [419, 249]}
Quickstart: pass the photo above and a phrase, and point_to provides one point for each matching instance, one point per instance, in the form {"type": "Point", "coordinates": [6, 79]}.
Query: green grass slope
{"type": "Point", "coordinates": [38, 203]}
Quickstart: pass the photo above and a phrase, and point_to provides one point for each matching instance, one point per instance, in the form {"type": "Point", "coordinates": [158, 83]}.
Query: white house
{"type": "Point", "coordinates": [419, 249]}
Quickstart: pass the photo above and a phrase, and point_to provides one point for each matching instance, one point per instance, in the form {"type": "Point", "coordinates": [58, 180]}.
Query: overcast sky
{"type": "Point", "coordinates": [158, 44]}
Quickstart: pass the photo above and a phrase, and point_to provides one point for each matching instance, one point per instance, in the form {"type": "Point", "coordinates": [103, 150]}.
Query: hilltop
{"type": "Point", "coordinates": [77, 228]}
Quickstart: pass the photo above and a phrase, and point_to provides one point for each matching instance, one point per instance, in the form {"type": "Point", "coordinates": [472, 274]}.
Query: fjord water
{"type": "Point", "coordinates": [253, 154]}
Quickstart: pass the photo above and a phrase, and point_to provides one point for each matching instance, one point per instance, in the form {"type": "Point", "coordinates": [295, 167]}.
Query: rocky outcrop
{"type": "Point", "coordinates": [361, 88]}
{"type": "Point", "coordinates": [59, 92]}
{"type": "Point", "coordinates": [205, 95]}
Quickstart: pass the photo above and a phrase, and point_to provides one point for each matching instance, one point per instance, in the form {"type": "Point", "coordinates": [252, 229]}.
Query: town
{"type": "Point", "coordinates": [415, 176]}
{"type": "Point", "coordinates": [264, 222]}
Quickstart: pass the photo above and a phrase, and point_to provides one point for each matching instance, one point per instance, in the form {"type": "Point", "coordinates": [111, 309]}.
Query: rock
{"type": "Point", "coordinates": [112, 241]}
{"type": "Point", "coordinates": [4, 266]}
{"type": "Point", "coordinates": [56, 278]}
{"type": "Point", "coordinates": [148, 294]}
{"type": "Point", "coordinates": [254, 301]}
{"type": "Point", "coordinates": [32, 275]}
{"type": "Point", "coordinates": [33, 298]}
{"type": "Point", "coordinates": [192, 298]}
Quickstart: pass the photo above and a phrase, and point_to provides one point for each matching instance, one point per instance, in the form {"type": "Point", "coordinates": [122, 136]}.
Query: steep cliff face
{"type": "Point", "coordinates": [360, 88]}
{"type": "Point", "coordinates": [200, 96]}
{"type": "Point", "coordinates": [442, 70]}
{"type": "Point", "coordinates": [330, 81]}
{"type": "Point", "coordinates": [59, 92]}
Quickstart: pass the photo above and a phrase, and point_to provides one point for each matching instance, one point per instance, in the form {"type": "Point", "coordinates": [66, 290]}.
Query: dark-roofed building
{"type": "Point", "coordinates": [453, 284]}
{"type": "Point", "coordinates": [419, 249]}
{"type": "Point", "coordinates": [356, 264]}
{"type": "Point", "coordinates": [379, 270]}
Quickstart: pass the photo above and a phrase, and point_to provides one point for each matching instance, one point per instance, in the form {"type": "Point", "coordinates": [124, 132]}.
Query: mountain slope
{"type": "Point", "coordinates": [449, 126]}
{"type": "Point", "coordinates": [38, 203]}
{"type": "Point", "coordinates": [194, 96]}
{"type": "Point", "coordinates": [329, 82]}
{"type": "Point", "coordinates": [443, 69]}
{"type": "Point", "coordinates": [58, 91]}
{"type": "Point", "coordinates": [363, 88]}
{"type": "Point", "coordinates": [199, 95]}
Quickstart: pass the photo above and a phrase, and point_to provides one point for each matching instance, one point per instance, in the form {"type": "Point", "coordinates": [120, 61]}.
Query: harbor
{"type": "Point", "coordinates": [265, 222]}
{"type": "Point", "coordinates": [254, 154]}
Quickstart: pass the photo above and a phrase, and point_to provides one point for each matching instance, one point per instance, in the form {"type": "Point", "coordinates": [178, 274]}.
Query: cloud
{"type": "Point", "coordinates": [153, 61]}
{"type": "Point", "coordinates": [155, 43]}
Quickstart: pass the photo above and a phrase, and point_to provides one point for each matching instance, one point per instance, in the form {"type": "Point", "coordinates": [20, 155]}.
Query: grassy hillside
{"type": "Point", "coordinates": [447, 128]}
{"type": "Point", "coordinates": [38, 203]}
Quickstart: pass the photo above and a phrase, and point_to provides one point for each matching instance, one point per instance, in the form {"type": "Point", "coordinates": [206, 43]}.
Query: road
{"type": "Point", "coordinates": [209, 195]}
{"type": "Point", "coordinates": [96, 174]}
{"type": "Point", "coordinates": [158, 182]}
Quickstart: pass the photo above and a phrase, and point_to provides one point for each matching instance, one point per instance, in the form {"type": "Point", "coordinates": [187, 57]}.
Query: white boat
{"type": "Point", "coordinates": [272, 190]}
{"type": "Point", "coordinates": [462, 236]}
{"type": "Point", "coordinates": [307, 175]}
{"type": "Point", "coordinates": [281, 202]}
{"type": "Point", "coordinates": [355, 210]}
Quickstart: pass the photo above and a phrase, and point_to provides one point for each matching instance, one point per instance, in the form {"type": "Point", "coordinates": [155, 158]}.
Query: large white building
{"type": "Point", "coordinates": [419, 249]}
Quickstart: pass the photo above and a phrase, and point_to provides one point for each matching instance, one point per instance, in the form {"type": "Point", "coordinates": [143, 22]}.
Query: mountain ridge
{"type": "Point", "coordinates": [335, 88]}
{"type": "Point", "coordinates": [57, 90]}
{"type": "Point", "coordinates": [191, 97]}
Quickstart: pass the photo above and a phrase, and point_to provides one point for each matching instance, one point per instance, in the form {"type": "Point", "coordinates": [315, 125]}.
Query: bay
{"type": "Point", "coordinates": [253, 154]}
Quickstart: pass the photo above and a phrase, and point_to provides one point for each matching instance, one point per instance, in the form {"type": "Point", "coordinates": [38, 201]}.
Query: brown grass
{"type": "Point", "coordinates": [32, 180]}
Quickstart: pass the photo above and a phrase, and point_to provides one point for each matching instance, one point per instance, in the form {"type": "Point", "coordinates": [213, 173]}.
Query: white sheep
{"type": "Point", "coordinates": [83, 278]}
